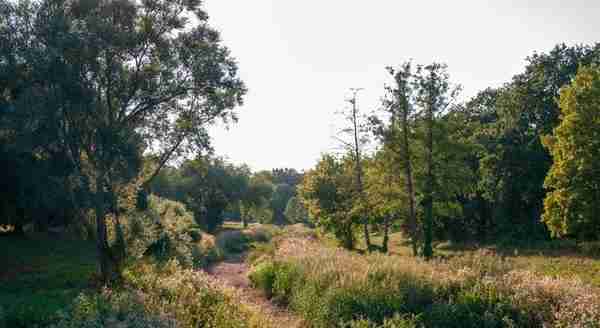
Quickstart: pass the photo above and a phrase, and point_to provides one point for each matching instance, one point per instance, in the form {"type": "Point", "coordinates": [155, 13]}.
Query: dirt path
{"type": "Point", "coordinates": [234, 273]}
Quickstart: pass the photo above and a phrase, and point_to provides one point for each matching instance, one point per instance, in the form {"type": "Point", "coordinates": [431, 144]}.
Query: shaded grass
{"type": "Point", "coordinates": [41, 275]}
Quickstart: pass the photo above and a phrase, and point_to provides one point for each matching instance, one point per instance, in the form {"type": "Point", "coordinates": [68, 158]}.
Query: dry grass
{"type": "Point", "coordinates": [476, 288]}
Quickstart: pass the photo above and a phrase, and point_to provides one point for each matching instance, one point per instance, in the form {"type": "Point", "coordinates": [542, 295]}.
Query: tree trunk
{"type": "Point", "coordinates": [105, 262]}
{"type": "Point", "coordinates": [358, 168]}
{"type": "Point", "coordinates": [428, 201]}
{"type": "Point", "coordinates": [412, 219]}
{"type": "Point", "coordinates": [386, 234]}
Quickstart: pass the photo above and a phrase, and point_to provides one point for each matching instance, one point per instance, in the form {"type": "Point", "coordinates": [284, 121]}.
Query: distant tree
{"type": "Point", "coordinates": [327, 191]}
{"type": "Point", "coordinates": [282, 193]}
{"type": "Point", "coordinates": [572, 204]}
{"type": "Point", "coordinates": [254, 200]}
{"type": "Point", "coordinates": [286, 175]}
{"type": "Point", "coordinates": [295, 211]}
{"type": "Point", "coordinates": [208, 186]}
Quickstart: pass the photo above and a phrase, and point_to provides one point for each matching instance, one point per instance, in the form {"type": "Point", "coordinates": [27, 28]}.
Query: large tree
{"type": "Point", "coordinates": [572, 204]}
{"type": "Point", "coordinates": [118, 78]}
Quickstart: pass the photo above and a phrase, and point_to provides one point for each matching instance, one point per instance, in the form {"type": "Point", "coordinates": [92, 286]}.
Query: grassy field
{"type": "Point", "coordinates": [554, 258]}
{"type": "Point", "coordinates": [41, 275]}
{"type": "Point", "coordinates": [332, 287]}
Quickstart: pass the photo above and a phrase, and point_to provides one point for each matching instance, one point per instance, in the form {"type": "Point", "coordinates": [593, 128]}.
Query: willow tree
{"type": "Point", "coordinates": [120, 78]}
{"type": "Point", "coordinates": [572, 204]}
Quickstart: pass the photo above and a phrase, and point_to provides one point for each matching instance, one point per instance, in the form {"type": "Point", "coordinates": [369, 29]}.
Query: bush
{"type": "Point", "coordinates": [263, 277]}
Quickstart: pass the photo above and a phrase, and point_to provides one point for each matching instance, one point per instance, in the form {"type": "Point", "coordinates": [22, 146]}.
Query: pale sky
{"type": "Point", "coordinates": [300, 58]}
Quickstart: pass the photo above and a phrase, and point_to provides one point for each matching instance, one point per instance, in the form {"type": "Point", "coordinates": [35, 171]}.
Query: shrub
{"type": "Point", "coordinates": [263, 277]}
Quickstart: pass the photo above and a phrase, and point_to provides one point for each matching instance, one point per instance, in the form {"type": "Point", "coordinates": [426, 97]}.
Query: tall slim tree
{"type": "Point", "coordinates": [355, 146]}
{"type": "Point", "coordinates": [398, 136]}
{"type": "Point", "coordinates": [434, 96]}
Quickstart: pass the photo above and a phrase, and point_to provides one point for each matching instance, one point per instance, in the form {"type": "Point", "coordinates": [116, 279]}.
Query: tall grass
{"type": "Point", "coordinates": [332, 287]}
{"type": "Point", "coordinates": [162, 296]}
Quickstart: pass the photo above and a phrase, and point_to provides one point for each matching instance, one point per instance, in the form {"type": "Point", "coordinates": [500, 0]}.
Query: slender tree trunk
{"type": "Point", "coordinates": [428, 201]}
{"type": "Point", "coordinates": [386, 233]}
{"type": "Point", "coordinates": [358, 168]}
{"type": "Point", "coordinates": [103, 249]}
{"type": "Point", "coordinates": [412, 218]}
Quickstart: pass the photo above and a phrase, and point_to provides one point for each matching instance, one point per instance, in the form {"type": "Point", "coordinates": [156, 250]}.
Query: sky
{"type": "Point", "coordinates": [300, 58]}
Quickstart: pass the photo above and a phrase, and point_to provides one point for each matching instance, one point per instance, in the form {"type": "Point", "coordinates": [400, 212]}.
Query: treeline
{"type": "Point", "coordinates": [215, 190]}
{"type": "Point", "coordinates": [516, 163]}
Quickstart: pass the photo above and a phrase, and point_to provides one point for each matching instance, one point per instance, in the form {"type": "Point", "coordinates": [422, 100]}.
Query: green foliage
{"type": "Point", "coordinates": [282, 193]}
{"type": "Point", "coordinates": [572, 204]}
{"type": "Point", "coordinates": [208, 187]}
{"type": "Point", "coordinates": [295, 211]}
{"type": "Point", "coordinates": [80, 76]}
{"type": "Point", "coordinates": [328, 193]}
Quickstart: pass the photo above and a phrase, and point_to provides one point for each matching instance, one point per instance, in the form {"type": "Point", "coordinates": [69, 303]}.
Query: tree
{"type": "Point", "coordinates": [353, 139]}
{"type": "Point", "coordinates": [254, 198]}
{"type": "Point", "coordinates": [295, 211]}
{"type": "Point", "coordinates": [397, 137]}
{"type": "Point", "coordinates": [120, 78]}
{"type": "Point", "coordinates": [434, 95]}
{"type": "Point", "coordinates": [572, 204]}
{"type": "Point", "coordinates": [385, 192]}
{"type": "Point", "coordinates": [327, 191]}
{"type": "Point", "coordinates": [208, 186]}
{"type": "Point", "coordinates": [282, 193]}
{"type": "Point", "coordinates": [514, 163]}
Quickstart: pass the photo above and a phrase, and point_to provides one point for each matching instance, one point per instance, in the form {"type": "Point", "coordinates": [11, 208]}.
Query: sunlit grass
{"type": "Point", "coordinates": [462, 287]}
